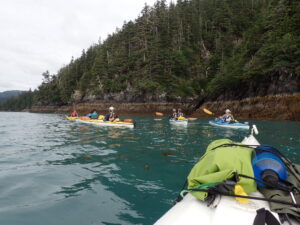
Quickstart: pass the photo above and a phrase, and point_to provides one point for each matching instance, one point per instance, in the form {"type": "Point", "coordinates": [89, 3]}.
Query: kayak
{"type": "Point", "coordinates": [72, 117]}
{"type": "Point", "coordinates": [183, 122]}
{"type": "Point", "coordinates": [224, 209]}
{"type": "Point", "coordinates": [220, 123]}
{"type": "Point", "coordinates": [106, 123]}
{"type": "Point", "coordinates": [191, 210]}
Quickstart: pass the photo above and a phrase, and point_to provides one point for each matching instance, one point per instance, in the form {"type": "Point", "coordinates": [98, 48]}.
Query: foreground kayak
{"type": "Point", "coordinates": [72, 117]}
{"type": "Point", "coordinates": [179, 122]}
{"type": "Point", "coordinates": [220, 123]}
{"type": "Point", "coordinates": [106, 123]}
{"type": "Point", "coordinates": [224, 209]}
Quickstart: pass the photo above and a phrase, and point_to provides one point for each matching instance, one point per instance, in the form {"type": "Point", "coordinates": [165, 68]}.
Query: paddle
{"type": "Point", "coordinates": [159, 114]}
{"type": "Point", "coordinates": [207, 111]}
{"type": "Point", "coordinates": [128, 120]}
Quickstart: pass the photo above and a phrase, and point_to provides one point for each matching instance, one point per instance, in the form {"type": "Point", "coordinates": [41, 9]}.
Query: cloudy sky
{"type": "Point", "coordinates": [40, 35]}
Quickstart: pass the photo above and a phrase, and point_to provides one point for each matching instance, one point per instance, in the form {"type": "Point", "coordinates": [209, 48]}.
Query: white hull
{"type": "Point", "coordinates": [179, 122]}
{"type": "Point", "coordinates": [107, 124]}
{"type": "Point", "coordinates": [192, 211]}
{"type": "Point", "coordinates": [229, 126]}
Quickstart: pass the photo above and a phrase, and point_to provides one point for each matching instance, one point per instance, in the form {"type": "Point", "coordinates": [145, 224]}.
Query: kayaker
{"type": "Point", "coordinates": [173, 115]}
{"type": "Point", "coordinates": [74, 114]}
{"type": "Point", "coordinates": [94, 114]}
{"type": "Point", "coordinates": [111, 116]}
{"type": "Point", "coordinates": [227, 117]}
{"type": "Point", "coordinates": [179, 113]}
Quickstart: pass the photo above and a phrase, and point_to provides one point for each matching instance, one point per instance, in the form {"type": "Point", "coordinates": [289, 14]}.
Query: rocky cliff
{"type": "Point", "coordinates": [121, 108]}
{"type": "Point", "coordinates": [276, 107]}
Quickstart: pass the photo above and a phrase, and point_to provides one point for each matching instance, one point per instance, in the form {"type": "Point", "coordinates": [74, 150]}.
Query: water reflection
{"type": "Point", "coordinates": [52, 167]}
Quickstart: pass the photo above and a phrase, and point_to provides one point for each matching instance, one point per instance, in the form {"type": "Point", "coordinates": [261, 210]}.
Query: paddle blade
{"type": "Point", "coordinates": [159, 114]}
{"type": "Point", "coordinates": [128, 120]}
{"type": "Point", "coordinates": [207, 111]}
{"type": "Point", "coordinates": [192, 118]}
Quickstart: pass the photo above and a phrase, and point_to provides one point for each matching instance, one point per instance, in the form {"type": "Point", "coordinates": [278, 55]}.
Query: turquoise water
{"type": "Point", "coordinates": [55, 171]}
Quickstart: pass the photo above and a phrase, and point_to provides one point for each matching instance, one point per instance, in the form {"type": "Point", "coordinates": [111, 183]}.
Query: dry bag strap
{"type": "Point", "coordinates": [265, 217]}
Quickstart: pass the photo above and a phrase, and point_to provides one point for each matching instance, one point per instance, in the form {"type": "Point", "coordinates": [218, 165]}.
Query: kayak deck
{"type": "Point", "coordinates": [224, 209]}
{"type": "Point", "coordinates": [191, 210]}
{"type": "Point", "coordinates": [107, 123]}
{"type": "Point", "coordinates": [72, 117]}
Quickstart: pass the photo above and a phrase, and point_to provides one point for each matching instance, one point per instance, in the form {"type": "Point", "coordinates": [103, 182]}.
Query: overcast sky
{"type": "Point", "coordinates": [40, 35]}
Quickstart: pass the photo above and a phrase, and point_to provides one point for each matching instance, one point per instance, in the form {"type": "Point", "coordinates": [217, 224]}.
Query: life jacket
{"type": "Point", "coordinates": [94, 115]}
{"type": "Point", "coordinates": [180, 114]}
{"type": "Point", "coordinates": [227, 118]}
{"type": "Point", "coordinates": [174, 115]}
{"type": "Point", "coordinates": [110, 116]}
{"type": "Point", "coordinates": [74, 114]}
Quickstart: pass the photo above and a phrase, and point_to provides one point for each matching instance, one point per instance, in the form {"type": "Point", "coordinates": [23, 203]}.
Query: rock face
{"type": "Point", "coordinates": [121, 108]}
{"type": "Point", "coordinates": [277, 107]}
{"type": "Point", "coordinates": [274, 97]}
{"type": "Point", "coordinates": [275, 83]}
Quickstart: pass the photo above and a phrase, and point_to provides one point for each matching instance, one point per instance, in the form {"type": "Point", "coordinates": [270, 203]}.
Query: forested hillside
{"type": "Point", "coordinates": [9, 94]}
{"type": "Point", "coordinates": [181, 51]}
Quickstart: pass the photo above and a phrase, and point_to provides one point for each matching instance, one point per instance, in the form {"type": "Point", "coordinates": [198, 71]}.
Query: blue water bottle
{"type": "Point", "coordinates": [267, 166]}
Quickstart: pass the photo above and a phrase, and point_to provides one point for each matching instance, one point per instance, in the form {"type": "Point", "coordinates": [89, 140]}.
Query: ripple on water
{"type": "Point", "coordinates": [54, 170]}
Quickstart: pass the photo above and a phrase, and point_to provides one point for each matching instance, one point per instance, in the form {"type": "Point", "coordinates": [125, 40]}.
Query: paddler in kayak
{"type": "Point", "coordinates": [180, 114]}
{"type": "Point", "coordinates": [74, 114]}
{"type": "Point", "coordinates": [227, 117]}
{"type": "Point", "coordinates": [173, 115]}
{"type": "Point", "coordinates": [94, 114]}
{"type": "Point", "coordinates": [111, 116]}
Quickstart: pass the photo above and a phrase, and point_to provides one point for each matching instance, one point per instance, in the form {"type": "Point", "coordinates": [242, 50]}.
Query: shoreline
{"type": "Point", "coordinates": [277, 107]}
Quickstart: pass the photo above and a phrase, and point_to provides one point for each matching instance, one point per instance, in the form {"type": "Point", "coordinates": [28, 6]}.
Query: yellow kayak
{"type": "Point", "coordinates": [106, 123]}
{"type": "Point", "coordinates": [72, 117]}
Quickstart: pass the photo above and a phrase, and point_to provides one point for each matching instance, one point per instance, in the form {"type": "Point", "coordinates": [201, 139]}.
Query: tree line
{"type": "Point", "coordinates": [181, 51]}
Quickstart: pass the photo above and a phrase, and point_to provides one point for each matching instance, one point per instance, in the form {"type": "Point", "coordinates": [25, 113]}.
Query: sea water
{"type": "Point", "coordinates": [54, 171]}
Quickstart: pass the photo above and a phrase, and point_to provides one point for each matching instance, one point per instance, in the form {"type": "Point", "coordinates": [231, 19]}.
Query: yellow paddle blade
{"type": "Point", "coordinates": [128, 120]}
{"type": "Point", "coordinates": [207, 111]}
{"type": "Point", "coordinates": [239, 190]}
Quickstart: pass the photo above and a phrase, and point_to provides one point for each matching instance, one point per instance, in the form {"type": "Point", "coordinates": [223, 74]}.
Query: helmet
{"type": "Point", "coordinates": [174, 110]}
{"type": "Point", "coordinates": [111, 108]}
{"type": "Point", "coordinates": [227, 111]}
